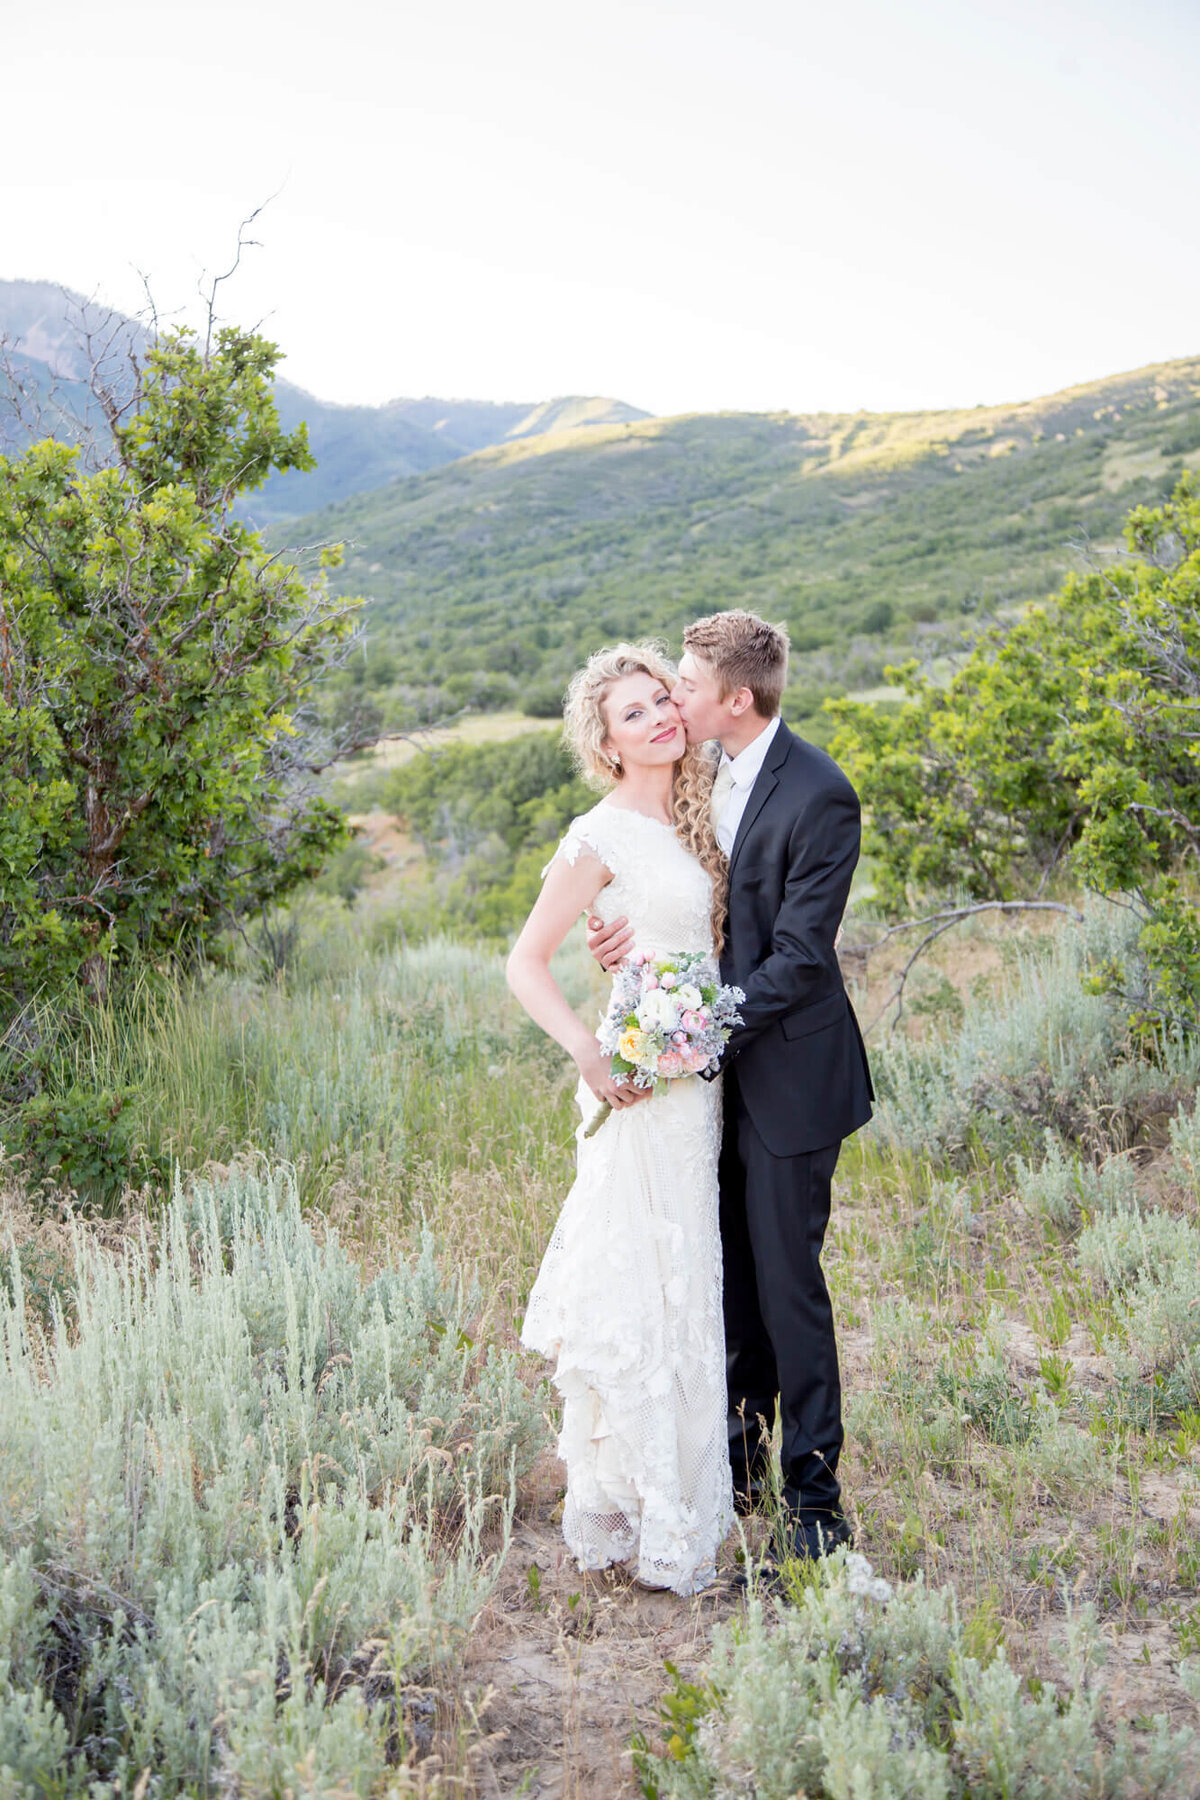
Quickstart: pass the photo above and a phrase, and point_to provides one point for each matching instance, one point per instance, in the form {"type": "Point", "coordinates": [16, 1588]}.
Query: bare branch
{"type": "Point", "coordinates": [243, 243]}
{"type": "Point", "coordinates": [944, 921]}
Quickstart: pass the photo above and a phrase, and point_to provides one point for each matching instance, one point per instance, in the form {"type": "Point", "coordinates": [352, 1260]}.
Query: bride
{"type": "Point", "coordinates": [628, 1300]}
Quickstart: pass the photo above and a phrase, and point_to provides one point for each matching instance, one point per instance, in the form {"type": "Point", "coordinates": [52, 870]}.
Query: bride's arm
{"type": "Point", "coordinates": [568, 890]}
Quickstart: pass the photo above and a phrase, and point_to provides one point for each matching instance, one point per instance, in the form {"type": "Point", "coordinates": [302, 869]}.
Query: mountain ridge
{"type": "Point", "coordinates": [356, 446]}
{"type": "Point", "coordinates": [873, 536]}
{"type": "Point", "coordinates": [497, 544]}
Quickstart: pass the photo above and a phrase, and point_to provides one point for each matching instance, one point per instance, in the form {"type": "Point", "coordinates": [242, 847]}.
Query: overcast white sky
{"type": "Point", "coordinates": [790, 204]}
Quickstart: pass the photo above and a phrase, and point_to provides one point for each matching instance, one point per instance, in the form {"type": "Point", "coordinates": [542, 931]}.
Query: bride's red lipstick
{"type": "Point", "coordinates": [663, 737]}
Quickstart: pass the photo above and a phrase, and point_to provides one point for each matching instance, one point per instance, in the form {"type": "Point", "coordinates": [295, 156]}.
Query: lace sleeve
{"type": "Point", "coordinates": [585, 836]}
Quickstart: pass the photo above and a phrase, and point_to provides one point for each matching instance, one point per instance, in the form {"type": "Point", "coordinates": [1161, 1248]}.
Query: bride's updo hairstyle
{"type": "Point", "coordinates": [691, 788]}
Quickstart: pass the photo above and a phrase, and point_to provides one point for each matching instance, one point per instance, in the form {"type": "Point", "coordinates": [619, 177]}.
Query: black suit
{"type": "Point", "coordinates": [796, 1084]}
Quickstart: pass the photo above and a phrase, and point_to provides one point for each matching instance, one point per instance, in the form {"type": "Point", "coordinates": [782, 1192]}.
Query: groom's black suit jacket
{"type": "Point", "coordinates": [799, 1059]}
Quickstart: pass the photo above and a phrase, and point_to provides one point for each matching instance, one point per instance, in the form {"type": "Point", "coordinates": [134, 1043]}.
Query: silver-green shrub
{"type": "Point", "coordinates": [862, 1692]}
{"type": "Point", "coordinates": [1185, 1145]}
{"type": "Point", "coordinates": [1061, 1189]}
{"type": "Point", "coordinates": [252, 1496]}
{"type": "Point", "coordinates": [1062, 1458]}
{"type": "Point", "coordinates": [1149, 1261]}
{"type": "Point", "coordinates": [1044, 1048]}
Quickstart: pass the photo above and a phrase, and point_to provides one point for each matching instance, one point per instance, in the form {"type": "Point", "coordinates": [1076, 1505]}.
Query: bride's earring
{"type": "Point", "coordinates": [616, 765]}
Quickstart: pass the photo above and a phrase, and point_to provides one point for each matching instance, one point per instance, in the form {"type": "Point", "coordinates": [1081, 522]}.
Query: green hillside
{"type": "Point", "coordinates": [867, 533]}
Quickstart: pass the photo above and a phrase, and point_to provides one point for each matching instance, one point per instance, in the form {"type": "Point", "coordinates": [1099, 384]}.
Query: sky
{"type": "Point", "coordinates": [779, 204]}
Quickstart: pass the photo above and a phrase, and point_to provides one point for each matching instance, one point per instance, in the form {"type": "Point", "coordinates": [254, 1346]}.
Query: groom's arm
{"type": "Point", "coordinates": [824, 849]}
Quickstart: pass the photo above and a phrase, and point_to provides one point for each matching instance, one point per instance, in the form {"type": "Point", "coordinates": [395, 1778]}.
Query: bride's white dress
{"type": "Point", "coordinates": [628, 1300]}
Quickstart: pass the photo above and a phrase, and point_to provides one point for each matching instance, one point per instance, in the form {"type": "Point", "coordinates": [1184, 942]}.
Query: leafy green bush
{"type": "Point", "coordinates": [347, 872]}
{"type": "Point", "coordinates": [863, 1690]}
{"type": "Point", "coordinates": [1077, 729]}
{"type": "Point", "coordinates": [87, 1140]}
{"type": "Point", "coordinates": [156, 663]}
{"type": "Point", "coordinates": [487, 816]}
{"type": "Point", "coordinates": [43, 1275]}
{"type": "Point", "coordinates": [248, 1503]}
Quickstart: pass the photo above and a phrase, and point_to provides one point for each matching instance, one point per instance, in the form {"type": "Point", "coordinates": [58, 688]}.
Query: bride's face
{"type": "Point", "coordinates": [643, 722]}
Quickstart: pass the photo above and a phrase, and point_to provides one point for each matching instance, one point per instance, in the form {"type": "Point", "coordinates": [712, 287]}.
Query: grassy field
{"type": "Point", "coordinates": [475, 728]}
{"type": "Point", "coordinates": [1013, 1258]}
{"type": "Point", "coordinates": [870, 535]}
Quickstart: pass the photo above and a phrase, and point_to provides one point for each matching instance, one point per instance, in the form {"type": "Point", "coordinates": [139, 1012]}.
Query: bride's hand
{"type": "Point", "coordinates": [596, 1069]}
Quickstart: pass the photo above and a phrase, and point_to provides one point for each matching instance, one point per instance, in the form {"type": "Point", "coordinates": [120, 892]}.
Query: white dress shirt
{"type": "Point", "coordinates": [742, 773]}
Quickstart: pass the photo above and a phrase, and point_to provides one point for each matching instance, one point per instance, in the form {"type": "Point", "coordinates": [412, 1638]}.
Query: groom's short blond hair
{"type": "Point", "coordinates": [743, 651]}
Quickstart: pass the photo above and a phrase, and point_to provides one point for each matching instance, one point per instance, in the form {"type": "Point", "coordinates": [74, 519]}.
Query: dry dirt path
{"type": "Point", "coordinates": [566, 1667]}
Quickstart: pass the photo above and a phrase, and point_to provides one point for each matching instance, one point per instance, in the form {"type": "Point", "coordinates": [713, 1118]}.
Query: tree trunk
{"type": "Point", "coordinates": [99, 862]}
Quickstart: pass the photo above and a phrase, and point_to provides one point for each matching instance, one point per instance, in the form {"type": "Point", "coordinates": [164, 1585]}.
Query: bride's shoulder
{"type": "Point", "coordinates": [604, 824]}
{"type": "Point", "coordinates": [596, 833]}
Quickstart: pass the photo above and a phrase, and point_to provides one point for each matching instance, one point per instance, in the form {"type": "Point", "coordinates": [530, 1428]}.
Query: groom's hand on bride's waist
{"type": "Point", "coordinates": [609, 943]}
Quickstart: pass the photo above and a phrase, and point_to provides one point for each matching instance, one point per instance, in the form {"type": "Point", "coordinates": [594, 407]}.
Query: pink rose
{"type": "Point", "coordinates": [670, 1063]}
{"type": "Point", "coordinates": [669, 978]}
{"type": "Point", "coordinates": [649, 984]}
{"type": "Point", "coordinates": [693, 1022]}
{"type": "Point", "coordinates": [679, 1038]}
{"type": "Point", "coordinates": [695, 1060]}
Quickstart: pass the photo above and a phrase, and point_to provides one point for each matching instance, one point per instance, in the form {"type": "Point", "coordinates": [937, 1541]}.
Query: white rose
{"type": "Point", "coordinates": [689, 997]}
{"type": "Point", "coordinates": [658, 1009]}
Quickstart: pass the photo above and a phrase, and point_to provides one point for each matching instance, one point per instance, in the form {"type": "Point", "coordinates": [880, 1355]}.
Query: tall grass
{"type": "Point", "coordinates": [390, 1081]}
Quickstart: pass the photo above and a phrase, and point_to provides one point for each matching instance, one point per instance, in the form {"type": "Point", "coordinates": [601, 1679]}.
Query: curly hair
{"type": "Point", "coordinates": [691, 786]}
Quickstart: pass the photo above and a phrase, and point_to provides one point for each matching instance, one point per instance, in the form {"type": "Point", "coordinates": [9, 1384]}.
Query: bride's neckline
{"type": "Point", "coordinates": [631, 812]}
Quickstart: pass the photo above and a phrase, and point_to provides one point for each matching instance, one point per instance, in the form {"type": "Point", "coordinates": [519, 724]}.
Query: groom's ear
{"type": "Point", "coordinates": [741, 702]}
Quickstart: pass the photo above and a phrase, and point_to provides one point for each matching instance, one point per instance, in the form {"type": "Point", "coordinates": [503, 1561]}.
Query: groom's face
{"type": "Point", "coordinates": [697, 694]}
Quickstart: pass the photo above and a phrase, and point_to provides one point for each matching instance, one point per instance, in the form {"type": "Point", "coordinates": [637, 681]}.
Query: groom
{"type": "Point", "coordinates": [796, 1077]}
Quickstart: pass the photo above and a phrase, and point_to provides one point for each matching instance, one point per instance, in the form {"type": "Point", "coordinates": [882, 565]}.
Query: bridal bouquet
{"type": "Point", "coordinates": [668, 1017]}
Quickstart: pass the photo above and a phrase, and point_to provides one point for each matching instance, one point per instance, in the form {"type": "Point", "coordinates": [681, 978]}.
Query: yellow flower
{"type": "Point", "coordinates": [632, 1045]}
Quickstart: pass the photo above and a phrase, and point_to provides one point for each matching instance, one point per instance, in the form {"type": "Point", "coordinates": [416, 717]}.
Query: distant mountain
{"type": "Point", "coordinates": [873, 535]}
{"type": "Point", "coordinates": [360, 447]}
{"type": "Point", "coordinates": [356, 447]}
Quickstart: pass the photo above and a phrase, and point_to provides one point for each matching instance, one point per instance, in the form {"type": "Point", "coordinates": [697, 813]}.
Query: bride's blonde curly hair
{"type": "Point", "coordinates": [691, 788]}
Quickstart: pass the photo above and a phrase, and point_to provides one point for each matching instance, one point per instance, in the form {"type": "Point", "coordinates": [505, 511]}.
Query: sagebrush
{"type": "Point", "coordinates": [251, 1502]}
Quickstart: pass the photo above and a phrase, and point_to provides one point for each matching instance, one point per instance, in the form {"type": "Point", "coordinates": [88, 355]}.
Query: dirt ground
{"type": "Point", "coordinates": [566, 1667]}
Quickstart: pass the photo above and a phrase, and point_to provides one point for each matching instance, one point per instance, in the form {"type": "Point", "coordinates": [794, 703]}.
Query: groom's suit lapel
{"type": "Point", "coordinates": [765, 784]}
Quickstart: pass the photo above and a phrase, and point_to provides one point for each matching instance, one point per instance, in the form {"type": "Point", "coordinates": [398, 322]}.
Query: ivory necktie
{"type": "Point", "coordinates": [722, 788]}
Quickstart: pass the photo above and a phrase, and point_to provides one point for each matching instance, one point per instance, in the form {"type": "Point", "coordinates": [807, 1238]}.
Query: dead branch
{"type": "Point", "coordinates": [941, 922]}
{"type": "Point", "coordinates": [243, 243]}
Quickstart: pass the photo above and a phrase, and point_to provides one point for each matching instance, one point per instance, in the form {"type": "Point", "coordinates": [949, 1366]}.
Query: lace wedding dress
{"type": "Point", "coordinates": [628, 1300]}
